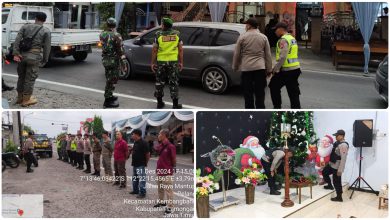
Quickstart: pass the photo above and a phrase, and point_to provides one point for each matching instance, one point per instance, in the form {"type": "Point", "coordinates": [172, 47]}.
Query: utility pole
{"type": "Point", "coordinates": [16, 128]}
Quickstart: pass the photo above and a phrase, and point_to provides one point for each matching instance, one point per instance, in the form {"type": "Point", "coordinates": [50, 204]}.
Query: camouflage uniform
{"type": "Point", "coordinates": [112, 52]}
{"type": "Point", "coordinates": [107, 150]}
{"type": "Point", "coordinates": [97, 151]}
{"type": "Point", "coordinates": [32, 59]}
{"type": "Point", "coordinates": [167, 71]}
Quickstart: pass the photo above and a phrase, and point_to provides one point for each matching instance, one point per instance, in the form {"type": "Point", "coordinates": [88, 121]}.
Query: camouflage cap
{"type": "Point", "coordinates": [111, 22]}
{"type": "Point", "coordinates": [167, 21]}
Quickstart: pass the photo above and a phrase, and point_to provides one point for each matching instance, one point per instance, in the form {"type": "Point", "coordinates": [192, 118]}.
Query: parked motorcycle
{"type": "Point", "coordinates": [11, 159]}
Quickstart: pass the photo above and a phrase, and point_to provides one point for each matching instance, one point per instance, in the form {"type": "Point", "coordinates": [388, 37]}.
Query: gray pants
{"type": "Point", "coordinates": [28, 73]}
{"type": "Point", "coordinates": [107, 165]}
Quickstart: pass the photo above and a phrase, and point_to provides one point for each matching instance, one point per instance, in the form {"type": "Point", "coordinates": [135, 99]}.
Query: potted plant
{"type": "Point", "coordinates": [205, 185]}
{"type": "Point", "coordinates": [250, 177]}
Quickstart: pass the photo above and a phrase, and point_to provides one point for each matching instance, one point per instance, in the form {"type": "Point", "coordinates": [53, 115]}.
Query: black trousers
{"type": "Point", "coordinates": [80, 160]}
{"type": "Point", "coordinates": [253, 85]}
{"type": "Point", "coordinates": [29, 157]}
{"type": "Point", "coordinates": [87, 159]}
{"type": "Point", "coordinates": [69, 158]}
{"type": "Point", "coordinates": [326, 172]}
{"type": "Point", "coordinates": [60, 156]}
{"type": "Point", "coordinates": [270, 179]}
{"type": "Point", "coordinates": [73, 159]}
{"type": "Point", "coordinates": [290, 80]}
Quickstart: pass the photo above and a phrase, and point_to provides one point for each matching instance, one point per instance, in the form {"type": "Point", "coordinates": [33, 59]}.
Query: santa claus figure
{"type": "Point", "coordinates": [254, 155]}
{"type": "Point", "coordinates": [323, 155]}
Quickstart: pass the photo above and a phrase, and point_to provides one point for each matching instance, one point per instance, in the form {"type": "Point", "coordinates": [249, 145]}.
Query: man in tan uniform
{"type": "Point", "coordinates": [29, 57]}
{"type": "Point", "coordinates": [107, 150]}
{"type": "Point", "coordinates": [80, 152]}
{"type": "Point", "coordinates": [336, 165]}
{"type": "Point", "coordinates": [87, 153]}
{"type": "Point", "coordinates": [28, 150]}
{"type": "Point", "coordinates": [97, 151]}
{"type": "Point", "coordinates": [271, 162]}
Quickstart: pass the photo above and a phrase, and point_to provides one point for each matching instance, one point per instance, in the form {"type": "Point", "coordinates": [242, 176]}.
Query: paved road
{"type": "Point", "coordinates": [68, 192]}
{"type": "Point", "coordinates": [320, 90]}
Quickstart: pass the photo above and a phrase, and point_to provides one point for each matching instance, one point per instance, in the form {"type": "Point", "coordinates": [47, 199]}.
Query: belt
{"type": "Point", "coordinates": [292, 60]}
{"type": "Point", "coordinates": [35, 50]}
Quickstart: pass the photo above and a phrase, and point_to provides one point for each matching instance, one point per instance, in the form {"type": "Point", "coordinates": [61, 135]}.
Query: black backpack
{"type": "Point", "coordinates": [26, 43]}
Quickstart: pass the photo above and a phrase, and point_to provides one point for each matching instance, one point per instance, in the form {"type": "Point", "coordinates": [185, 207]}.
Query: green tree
{"type": "Point", "coordinates": [302, 133]}
{"type": "Point", "coordinates": [97, 126]}
{"type": "Point", "coordinates": [27, 128]}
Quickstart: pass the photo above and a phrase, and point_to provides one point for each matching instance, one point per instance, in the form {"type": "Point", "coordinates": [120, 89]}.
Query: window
{"type": "Point", "coordinates": [194, 36]}
{"type": "Point", "coordinates": [221, 37]}
{"type": "Point", "coordinates": [4, 16]}
{"type": "Point", "coordinates": [31, 15]}
{"type": "Point", "coordinates": [148, 38]}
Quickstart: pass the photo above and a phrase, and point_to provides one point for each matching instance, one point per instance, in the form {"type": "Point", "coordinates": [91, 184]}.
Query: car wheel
{"type": "Point", "coordinates": [125, 74]}
{"type": "Point", "coordinates": [80, 56]}
{"type": "Point", "coordinates": [214, 80]}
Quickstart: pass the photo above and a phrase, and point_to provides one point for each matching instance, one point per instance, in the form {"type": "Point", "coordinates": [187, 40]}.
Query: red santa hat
{"type": "Point", "coordinates": [330, 138]}
{"type": "Point", "coordinates": [249, 140]}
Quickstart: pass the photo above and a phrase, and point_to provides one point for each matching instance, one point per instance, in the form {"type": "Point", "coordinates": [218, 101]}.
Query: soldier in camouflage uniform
{"type": "Point", "coordinates": [113, 61]}
{"type": "Point", "coordinates": [168, 53]}
{"type": "Point", "coordinates": [30, 61]}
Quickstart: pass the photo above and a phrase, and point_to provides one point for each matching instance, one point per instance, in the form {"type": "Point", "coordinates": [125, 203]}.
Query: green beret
{"type": "Point", "coordinates": [167, 21]}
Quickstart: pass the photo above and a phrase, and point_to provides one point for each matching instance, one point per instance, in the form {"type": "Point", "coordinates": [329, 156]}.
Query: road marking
{"type": "Point", "coordinates": [102, 92]}
{"type": "Point", "coordinates": [338, 73]}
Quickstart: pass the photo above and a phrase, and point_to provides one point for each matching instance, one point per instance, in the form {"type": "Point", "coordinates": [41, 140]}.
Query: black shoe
{"type": "Point", "coordinates": [141, 196]}
{"type": "Point", "coordinates": [278, 187]}
{"type": "Point", "coordinates": [96, 173]}
{"type": "Point", "coordinates": [168, 211]}
{"type": "Point", "coordinates": [5, 87]}
{"type": "Point", "coordinates": [337, 199]}
{"type": "Point", "coordinates": [133, 193]}
{"type": "Point", "coordinates": [159, 205]}
{"type": "Point", "coordinates": [116, 184]}
{"type": "Point", "coordinates": [87, 171]}
{"type": "Point", "coordinates": [329, 187]}
{"type": "Point", "coordinates": [275, 192]}
{"type": "Point", "coordinates": [176, 104]}
{"type": "Point", "coordinates": [30, 171]}
{"type": "Point", "coordinates": [80, 168]}
{"type": "Point", "coordinates": [122, 187]}
{"type": "Point", "coordinates": [160, 103]}
{"type": "Point", "coordinates": [114, 98]}
{"type": "Point", "coordinates": [110, 103]}
{"type": "Point", "coordinates": [59, 159]}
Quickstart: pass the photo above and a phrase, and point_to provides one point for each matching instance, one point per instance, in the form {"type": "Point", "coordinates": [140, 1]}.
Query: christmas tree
{"type": "Point", "coordinates": [302, 133]}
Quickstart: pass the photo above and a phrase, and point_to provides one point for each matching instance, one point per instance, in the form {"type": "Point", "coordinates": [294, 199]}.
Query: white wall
{"type": "Point", "coordinates": [375, 159]}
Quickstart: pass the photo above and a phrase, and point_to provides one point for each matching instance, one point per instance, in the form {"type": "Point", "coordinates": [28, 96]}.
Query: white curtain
{"type": "Point", "coordinates": [217, 11]}
{"type": "Point", "coordinates": [184, 115]}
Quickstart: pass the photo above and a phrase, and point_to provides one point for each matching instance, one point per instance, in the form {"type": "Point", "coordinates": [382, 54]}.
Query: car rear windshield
{"type": "Point", "coordinates": [31, 15]}
{"type": "Point", "coordinates": [223, 37]}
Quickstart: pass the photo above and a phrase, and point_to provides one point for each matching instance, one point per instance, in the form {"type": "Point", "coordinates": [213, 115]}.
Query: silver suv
{"type": "Point", "coordinates": [208, 53]}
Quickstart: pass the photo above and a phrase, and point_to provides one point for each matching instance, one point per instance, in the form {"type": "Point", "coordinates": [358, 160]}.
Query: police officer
{"type": "Point", "coordinates": [28, 150]}
{"type": "Point", "coordinates": [271, 161]}
{"type": "Point", "coordinates": [87, 153]}
{"type": "Point", "coordinates": [107, 151]}
{"type": "Point", "coordinates": [97, 151]}
{"type": "Point", "coordinates": [29, 60]}
{"type": "Point", "coordinates": [59, 143]}
{"type": "Point", "coordinates": [336, 165]}
{"type": "Point", "coordinates": [63, 148]}
{"type": "Point", "coordinates": [113, 61]}
{"type": "Point", "coordinates": [68, 147]}
{"type": "Point", "coordinates": [80, 152]}
{"type": "Point", "coordinates": [287, 69]}
{"type": "Point", "coordinates": [168, 53]}
{"type": "Point", "coordinates": [73, 149]}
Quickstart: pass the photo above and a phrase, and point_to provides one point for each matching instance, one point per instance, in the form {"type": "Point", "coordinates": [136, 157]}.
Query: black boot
{"type": "Point", "coordinates": [115, 98]}
{"type": "Point", "coordinates": [5, 87]}
{"type": "Point", "coordinates": [274, 192]}
{"type": "Point", "coordinates": [110, 103]}
{"type": "Point", "coordinates": [94, 173]}
{"type": "Point", "coordinates": [176, 104]}
{"type": "Point", "coordinates": [97, 173]}
{"type": "Point", "coordinates": [87, 171]}
{"type": "Point", "coordinates": [30, 170]}
{"type": "Point", "coordinates": [338, 198]}
{"type": "Point", "coordinates": [160, 103]}
{"type": "Point", "coordinates": [329, 186]}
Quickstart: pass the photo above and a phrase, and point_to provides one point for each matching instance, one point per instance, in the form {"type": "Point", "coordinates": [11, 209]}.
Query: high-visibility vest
{"type": "Point", "coordinates": [59, 144]}
{"type": "Point", "coordinates": [168, 43]}
{"type": "Point", "coordinates": [73, 146]}
{"type": "Point", "coordinates": [292, 55]}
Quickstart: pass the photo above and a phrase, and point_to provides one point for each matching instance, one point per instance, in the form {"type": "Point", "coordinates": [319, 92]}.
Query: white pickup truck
{"type": "Point", "coordinates": [64, 42]}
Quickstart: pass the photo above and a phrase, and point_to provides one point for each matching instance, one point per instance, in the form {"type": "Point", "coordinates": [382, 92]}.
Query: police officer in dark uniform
{"type": "Point", "coordinates": [271, 161]}
{"type": "Point", "coordinates": [336, 165]}
{"type": "Point", "coordinates": [168, 53]}
{"type": "Point", "coordinates": [287, 69]}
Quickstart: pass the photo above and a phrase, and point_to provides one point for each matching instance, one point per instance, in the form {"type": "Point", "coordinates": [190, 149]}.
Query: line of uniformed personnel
{"type": "Point", "coordinates": [77, 150]}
